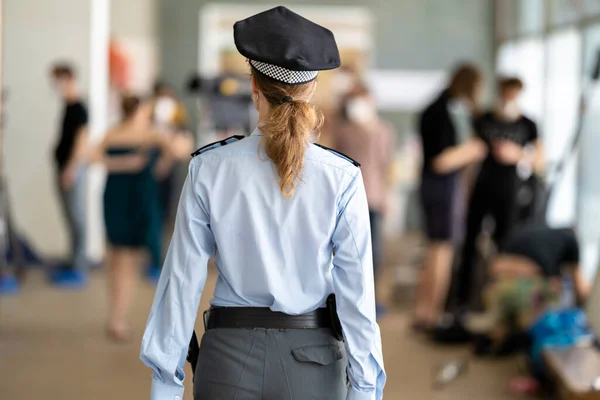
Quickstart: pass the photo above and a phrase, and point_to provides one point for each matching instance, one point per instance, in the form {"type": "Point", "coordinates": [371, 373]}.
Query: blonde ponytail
{"type": "Point", "coordinates": [287, 128]}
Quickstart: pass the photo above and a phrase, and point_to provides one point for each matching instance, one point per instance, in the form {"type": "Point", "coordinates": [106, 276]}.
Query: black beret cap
{"type": "Point", "coordinates": [286, 46]}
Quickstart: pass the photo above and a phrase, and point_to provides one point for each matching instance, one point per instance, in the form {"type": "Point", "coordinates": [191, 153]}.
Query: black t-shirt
{"type": "Point", "coordinates": [437, 132]}
{"type": "Point", "coordinates": [548, 247]}
{"type": "Point", "coordinates": [75, 117]}
{"type": "Point", "coordinates": [489, 128]}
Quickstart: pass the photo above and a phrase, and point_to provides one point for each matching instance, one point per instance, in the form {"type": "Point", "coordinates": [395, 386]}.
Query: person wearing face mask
{"type": "Point", "coordinates": [447, 150]}
{"type": "Point", "coordinates": [513, 144]}
{"type": "Point", "coordinates": [343, 82]}
{"type": "Point", "coordinates": [363, 136]}
{"type": "Point", "coordinates": [169, 114]}
{"type": "Point", "coordinates": [136, 157]}
{"type": "Point", "coordinates": [70, 157]}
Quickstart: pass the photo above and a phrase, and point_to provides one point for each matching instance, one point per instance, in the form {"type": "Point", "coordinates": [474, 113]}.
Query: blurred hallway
{"type": "Point", "coordinates": [52, 346]}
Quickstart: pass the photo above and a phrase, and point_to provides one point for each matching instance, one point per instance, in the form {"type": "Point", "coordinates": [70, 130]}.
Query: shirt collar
{"type": "Point", "coordinates": [256, 132]}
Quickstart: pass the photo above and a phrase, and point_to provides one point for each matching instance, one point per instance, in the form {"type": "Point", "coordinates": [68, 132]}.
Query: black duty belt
{"type": "Point", "coordinates": [252, 317]}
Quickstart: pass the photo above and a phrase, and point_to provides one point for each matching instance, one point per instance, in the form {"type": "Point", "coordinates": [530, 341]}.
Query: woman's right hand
{"type": "Point", "coordinates": [475, 150]}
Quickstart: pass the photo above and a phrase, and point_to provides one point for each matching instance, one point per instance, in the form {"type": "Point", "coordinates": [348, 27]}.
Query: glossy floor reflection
{"type": "Point", "coordinates": [53, 347]}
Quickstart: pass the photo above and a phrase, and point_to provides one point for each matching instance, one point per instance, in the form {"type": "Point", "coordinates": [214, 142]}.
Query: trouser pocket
{"type": "Point", "coordinates": [321, 354]}
{"type": "Point", "coordinates": [319, 372]}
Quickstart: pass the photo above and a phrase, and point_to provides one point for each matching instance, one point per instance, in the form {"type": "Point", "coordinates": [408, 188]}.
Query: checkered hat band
{"type": "Point", "coordinates": [283, 74]}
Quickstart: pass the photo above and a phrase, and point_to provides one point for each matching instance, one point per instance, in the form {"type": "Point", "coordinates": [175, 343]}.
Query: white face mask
{"type": "Point", "coordinates": [164, 110]}
{"type": "Point", "coordinates": [510, 110]}
{"type": "Point", "coordinates": [360, 110]}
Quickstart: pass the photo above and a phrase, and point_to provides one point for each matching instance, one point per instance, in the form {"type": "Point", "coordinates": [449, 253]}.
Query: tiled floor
{"type": "Point", "coordinates": [52, 347]}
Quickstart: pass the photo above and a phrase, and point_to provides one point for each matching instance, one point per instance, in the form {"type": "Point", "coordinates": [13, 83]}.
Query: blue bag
{"type": "Point", "coordinates": [557, 329]}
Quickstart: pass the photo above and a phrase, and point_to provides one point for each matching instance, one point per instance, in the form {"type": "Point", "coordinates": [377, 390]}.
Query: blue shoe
{"type": "Point", "coordinates": [8, 285]}
{"type": "Point", "coordinates": [68, 279]}
{"type": "Point", "coordinates": [380, 310]}
{"type": "Point", "coordinates": [152, 274]}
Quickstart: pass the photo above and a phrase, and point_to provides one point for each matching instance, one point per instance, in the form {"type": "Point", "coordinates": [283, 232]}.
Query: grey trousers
{"type": "Point", "coordinates": [74, 209]}
{"type": "Point", "coordinates": [270, 364]}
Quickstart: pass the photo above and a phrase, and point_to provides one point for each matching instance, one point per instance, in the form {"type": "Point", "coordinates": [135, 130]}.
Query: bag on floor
{"type": "Point", "coordinates": [557, 330]}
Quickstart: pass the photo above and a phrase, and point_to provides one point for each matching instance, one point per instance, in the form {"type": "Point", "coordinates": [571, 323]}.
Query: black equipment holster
{"type": "Point", "coordinates": [194, 348]}
{"type": "Point", "coordinates": [193, 353]}
{"type": "Point", "coordinates": [335, 319]}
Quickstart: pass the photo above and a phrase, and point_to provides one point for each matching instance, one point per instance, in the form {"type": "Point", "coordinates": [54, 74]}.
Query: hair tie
{"type": "Point", "coordinates": [286, 99]}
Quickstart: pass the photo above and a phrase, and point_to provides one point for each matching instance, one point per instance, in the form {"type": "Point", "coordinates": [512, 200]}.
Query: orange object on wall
{"type": "Point", "coordinates": [118, 66]}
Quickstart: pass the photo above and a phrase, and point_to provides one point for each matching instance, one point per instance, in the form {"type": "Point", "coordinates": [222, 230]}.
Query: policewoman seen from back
{"type": "Point", "coordinates": [288, 225]}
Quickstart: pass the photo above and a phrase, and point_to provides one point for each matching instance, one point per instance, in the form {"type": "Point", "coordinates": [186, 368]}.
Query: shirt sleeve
{"type": "Point", "coordinates": [171, 321]}
{"type": "Point", "coordinates": [437, 134]}
{"type": "Point", "coordinates": [82, 117]}
{"type": "Point", "coordinates": [571, 253]}
{"type": "Point", "coordinates": [478, 123]}
{"type": "Point", "coordinates": [355, 294]}
{"type": "Point", "coordinates": [533, 134]}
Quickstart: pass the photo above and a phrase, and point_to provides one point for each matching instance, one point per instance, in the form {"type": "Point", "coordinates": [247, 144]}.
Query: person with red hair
{"type": "Point", "coordinates": [118, 65]}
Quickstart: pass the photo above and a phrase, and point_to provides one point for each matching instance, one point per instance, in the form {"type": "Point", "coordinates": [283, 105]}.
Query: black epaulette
{"type": "Point", "coordinates": [341, 155]}
{"type": "Point", "coordinates": [220, 143]}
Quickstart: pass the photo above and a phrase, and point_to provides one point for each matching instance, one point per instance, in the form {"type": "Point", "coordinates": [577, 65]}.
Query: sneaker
{"type": "Point", "coordinates": [451, 332]}
{"type": "Point", "coordinates": [8, 285]}
{"type": "Point", "coordinates": [68, 279]}
{"type": "Point", "coordinates": [152, 274]}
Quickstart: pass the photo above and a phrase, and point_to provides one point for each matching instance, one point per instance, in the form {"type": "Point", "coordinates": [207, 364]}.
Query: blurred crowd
{"type": "Point", "coordinates": [492, 266]}
{"type": "Point", "coordinates": [139, 154]}
{"type": "Point", "coordinates": [481, 196]}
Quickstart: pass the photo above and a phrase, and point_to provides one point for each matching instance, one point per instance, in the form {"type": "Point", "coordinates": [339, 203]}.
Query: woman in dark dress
{"type": "Point", "coordinates": [136, 157]}
{"type": "Point", "coordinates": [447, 149]}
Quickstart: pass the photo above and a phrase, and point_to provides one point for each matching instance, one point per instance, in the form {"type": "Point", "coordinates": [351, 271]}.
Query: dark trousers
{"type": "Point", "coordinates": [376, 239]}
{"type": "Point", "coordinates": [270, 364]}
{"type": "Point", "coordinates": [74, 210]}
{"type": "Point", "coordinates": [494, 197]}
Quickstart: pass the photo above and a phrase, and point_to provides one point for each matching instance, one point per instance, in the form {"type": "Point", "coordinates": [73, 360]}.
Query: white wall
{"type": "Point", "coordinates": [134, 23]}
{"type": "Point", "coordinates": [137, 18]}
{"type": "Point", "coordinates": [37, 34]}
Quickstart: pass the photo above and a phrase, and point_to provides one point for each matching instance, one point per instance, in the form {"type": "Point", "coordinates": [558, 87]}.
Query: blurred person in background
{"type": "Point", "coordinates": [287, 223]}
{"type": "Point", "coordinates": [362, 135]}
{"type": "Point", "coordinates": [136, 157]}
{"type": "Point", "coordinates": [447, 150]}
{"type": "Point", "coordinates": [528, 275]}
{"type": "Point", "coordinates": [170, 119]}
{"type": "Point", "coordinates": [71, 157]}
{"type": "Point", "coordinates": [169, 113]}
{"type": "Point", "coordinates": [513, 149]}
{"type": "Point", "coordinates": [342, 82]}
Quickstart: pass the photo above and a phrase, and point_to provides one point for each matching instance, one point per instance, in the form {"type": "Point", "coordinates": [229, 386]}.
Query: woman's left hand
{"type": "Point", "coordinates": [507, 152]}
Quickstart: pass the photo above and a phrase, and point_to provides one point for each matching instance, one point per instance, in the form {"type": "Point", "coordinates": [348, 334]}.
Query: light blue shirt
{"type": "Point", "coordinates": [285, 254]}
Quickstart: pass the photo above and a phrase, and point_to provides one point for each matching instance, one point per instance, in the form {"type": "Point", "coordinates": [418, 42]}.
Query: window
{"type": "Point", "coordinates": [564, 12]}
{"type": "Point", "coordinates": [591, 7]}
{"type": "Point", "coordinates": [530, 18]}
{"type": "Point", "coordinates": [588, 193]}
{"type": "Point", "coordinates": [563, 88]}
{"type": "Point", "coordinates": [525, 59]}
